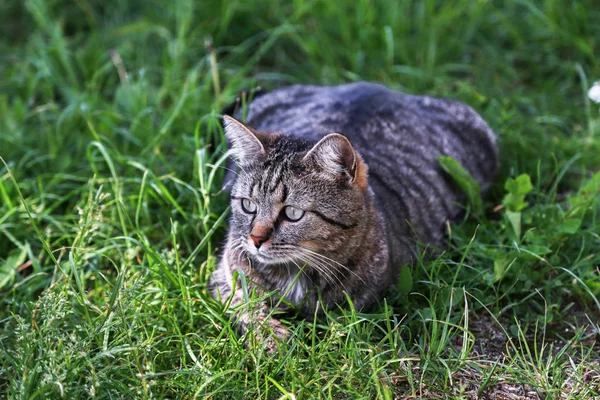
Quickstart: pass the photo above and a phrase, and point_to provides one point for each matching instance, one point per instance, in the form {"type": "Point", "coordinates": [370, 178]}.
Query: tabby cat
{"type": "Point", "coordinates": [335, 185]}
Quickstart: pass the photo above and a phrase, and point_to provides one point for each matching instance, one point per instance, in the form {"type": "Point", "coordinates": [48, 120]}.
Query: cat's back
{"type": "Point", "coordinates": [399, 136]}
{"type": "Point", "coordinates": [381, 122]}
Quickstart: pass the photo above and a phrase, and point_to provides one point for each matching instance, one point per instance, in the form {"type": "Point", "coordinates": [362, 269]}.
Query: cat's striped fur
{"type": "Point", "coordinates": [366, 199]}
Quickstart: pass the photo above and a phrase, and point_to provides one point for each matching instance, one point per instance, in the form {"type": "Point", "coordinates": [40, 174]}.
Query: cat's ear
{"type": "Point", "coordinates": [335, 154]}
{"type": "Point", "coordinates": [246, 143]}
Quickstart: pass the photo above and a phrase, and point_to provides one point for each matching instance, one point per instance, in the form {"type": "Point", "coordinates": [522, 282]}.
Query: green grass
{"type": "Point", "coordinates": [111, 214]}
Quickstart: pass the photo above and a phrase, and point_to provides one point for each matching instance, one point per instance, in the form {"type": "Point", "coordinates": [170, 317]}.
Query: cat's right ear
{"type": "Point", "coordinates": [246, 144]}
{"type": "Point", "coordinates": [335, 155]}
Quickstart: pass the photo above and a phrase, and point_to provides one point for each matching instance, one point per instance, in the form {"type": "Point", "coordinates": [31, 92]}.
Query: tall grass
{"type": "Point", "coordinates": [112, 213]}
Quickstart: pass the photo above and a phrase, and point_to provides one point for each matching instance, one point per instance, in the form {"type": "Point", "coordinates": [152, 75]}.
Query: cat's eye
{"type": "Point", "coordinates": [248, 206]}
{"type": "Point", "coordinates": [293, 214]}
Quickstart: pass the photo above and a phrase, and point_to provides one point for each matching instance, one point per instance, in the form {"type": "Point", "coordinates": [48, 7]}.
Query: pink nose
{"type": "Point", "coordinates": [260, 233]}
{"type": "Point", "coordinates": [258, 240]}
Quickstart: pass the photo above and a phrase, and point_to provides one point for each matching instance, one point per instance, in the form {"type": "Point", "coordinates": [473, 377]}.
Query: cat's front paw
{"type": "Point", "coordinates": [278, 329]}
{"type": "Point", "coordinates": [270, 334]}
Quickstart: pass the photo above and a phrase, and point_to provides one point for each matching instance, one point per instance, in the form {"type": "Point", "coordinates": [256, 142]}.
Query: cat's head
{"type": "Point", "coordinates": [294, 201]}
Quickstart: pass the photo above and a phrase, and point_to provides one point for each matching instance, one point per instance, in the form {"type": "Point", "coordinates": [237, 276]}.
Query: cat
{"type": "Point", "coordinates": [335, 185]}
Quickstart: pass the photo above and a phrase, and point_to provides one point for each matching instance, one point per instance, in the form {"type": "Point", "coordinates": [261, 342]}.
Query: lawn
{"type": "Point", "coordinates": [112, 214]}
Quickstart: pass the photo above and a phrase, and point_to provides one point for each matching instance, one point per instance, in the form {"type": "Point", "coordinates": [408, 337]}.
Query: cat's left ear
{"type": "Point", "coordinates": [335, 155]}
{"type": "Point", "coordinates": [246, 143]}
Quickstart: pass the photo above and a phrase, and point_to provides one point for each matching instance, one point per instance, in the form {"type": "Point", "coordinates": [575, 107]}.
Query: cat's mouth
{"type": "Point", "coordinates": [275, 255]}
{"type": "Point", "coordinates": [266, 257]}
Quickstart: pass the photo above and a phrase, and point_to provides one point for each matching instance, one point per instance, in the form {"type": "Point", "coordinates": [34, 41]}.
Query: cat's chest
{"type": "Point", "coordinates": [292, 283]}
{"type": "Point", "coordinates": [296, 289]}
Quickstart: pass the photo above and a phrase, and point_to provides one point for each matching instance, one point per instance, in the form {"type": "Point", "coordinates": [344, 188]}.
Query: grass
{"type": "Point", "coordinates": [112, 216]}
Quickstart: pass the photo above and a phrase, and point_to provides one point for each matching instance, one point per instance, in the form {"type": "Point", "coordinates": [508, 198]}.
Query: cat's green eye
{"type": "Point", "coordinates": [293, 214]}
{"type": "Point", "coordinates": [248, 206]}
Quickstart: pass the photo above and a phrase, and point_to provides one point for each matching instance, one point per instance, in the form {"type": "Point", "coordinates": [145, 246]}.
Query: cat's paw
{"type": "Point", "coordinates": [277, 329]}
{"type": "Point", "coordinates": [270, 336]}
{"type": "Point", "coordinates": [262, 331]}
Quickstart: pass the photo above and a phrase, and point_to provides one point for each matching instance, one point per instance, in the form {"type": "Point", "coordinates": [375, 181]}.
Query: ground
{"type": "Point", "coordinates": [112, 214]}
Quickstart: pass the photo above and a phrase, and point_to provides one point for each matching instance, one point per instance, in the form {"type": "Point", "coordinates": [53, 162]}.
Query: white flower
{"type": "Point", "coordinates": [594, 92]}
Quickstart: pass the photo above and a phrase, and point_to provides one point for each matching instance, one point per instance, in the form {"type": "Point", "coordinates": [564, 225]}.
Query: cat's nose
{"type": "Point", "coordinates": [258, 240]}
{"type": "Point", "coordinates": [260, 233]}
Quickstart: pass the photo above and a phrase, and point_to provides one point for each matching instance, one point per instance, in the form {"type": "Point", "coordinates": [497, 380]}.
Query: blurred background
{"type": "Point", "coordinates": [109, 125]}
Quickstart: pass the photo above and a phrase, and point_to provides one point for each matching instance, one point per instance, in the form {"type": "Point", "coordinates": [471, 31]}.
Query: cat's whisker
{"type": "Point", "coordinates": [222, 153]}
{"type": "Point", "coordinates": [237, 164]}
{"type": "Point", "coordinates": [324, 267]}
{"type": "Point", "coordinates": [225, 168]}
{"type": "Point", "coordinates": [240, 250]}
{"type": "Point", "coordinates": [333, 279]}
{"type": "Point", "coordinates": [326, 258]}
{"type": "Point", "coordinates": [285, 256]}
{"type": "Point", "coordinates": [323, 257]}
{"type": "Point", "coordinates": [328, 270]}
{"type": "Point", "coordinates": [302, 271]}
{"type": "Point", "coordinates": [319, 269]}
{"type": "Point", "coordinates": [326, 261]}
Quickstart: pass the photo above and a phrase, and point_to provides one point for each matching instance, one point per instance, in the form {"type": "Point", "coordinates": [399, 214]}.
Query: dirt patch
{"type": "Point", "coordinates": [563, 364]}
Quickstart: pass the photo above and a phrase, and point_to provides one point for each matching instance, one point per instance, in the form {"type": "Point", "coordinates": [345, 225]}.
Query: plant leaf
{"type": "Point", "coordinates": [570, 226]}
{"type": "Point", "coordinates": [8, 269]}
{"type": "Point", "coordinates": [500, 269]}
{"type": "Point", "coordinates": [405, 282]}
{"type": "Point", "coordinates": [517, 190]}
{"type": "Point", "coordinates": [464, 180]}
{"type": "Point", "coordinates": [515, 221]}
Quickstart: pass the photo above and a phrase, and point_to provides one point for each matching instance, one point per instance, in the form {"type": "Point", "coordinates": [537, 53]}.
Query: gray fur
{"type": "Point", "coordinates": [356, 230]}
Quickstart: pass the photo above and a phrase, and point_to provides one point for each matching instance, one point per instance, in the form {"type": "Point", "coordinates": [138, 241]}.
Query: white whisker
{"type": "Point", "coordinates": [225, 168]}
{"type": "Point", "coordinates": [327, 259]}
{"type": "Point", "coordinates": [324, 268]}
{"type": "Point", "coordinates": [332, 279]}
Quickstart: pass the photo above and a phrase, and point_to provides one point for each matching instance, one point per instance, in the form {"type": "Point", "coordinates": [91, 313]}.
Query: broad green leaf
{"type": "Point", "coordinates": [515, 221]}
{"type": "Point", "coordinates": [500, 268]}
{"type": "Point", "coordinates": [570, 226]}
{"type": "Point", "coordinates": [517, 190]}
{"type": "Point", "coordinates": [405, 281]}
{"type": "Point", "coordinates": [520, 185]}
{"type": "Point", "coordinates": [427, 314]}
{"type": "Point", "coordinates": [464, 180]}
{"type": "Point", "coordinates": [8, 269]}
